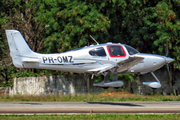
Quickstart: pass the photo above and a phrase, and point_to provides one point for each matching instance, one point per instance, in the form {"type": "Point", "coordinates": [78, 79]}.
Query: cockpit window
{"type": "Point", "coordinates": [116, 51]}
{"type": "Point", "coordinates": [97, 52]}
{"type": "Point", "coordinates": [131, 50]}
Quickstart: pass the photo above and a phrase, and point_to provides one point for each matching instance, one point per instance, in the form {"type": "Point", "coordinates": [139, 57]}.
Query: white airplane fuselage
{"type": "Point", "coordinates": [80, 61]}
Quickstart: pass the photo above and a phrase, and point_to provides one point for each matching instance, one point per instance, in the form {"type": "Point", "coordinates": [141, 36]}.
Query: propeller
{"type": "Point", "coordinates": [168, 60]}
{"type": "Point", "coordinates": [167, 51]}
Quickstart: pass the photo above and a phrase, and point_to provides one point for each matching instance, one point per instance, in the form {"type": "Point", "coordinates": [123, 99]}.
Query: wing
{"type": "Point", "coordinates": [121, 66]}
{"type": "Point", "coordinates": [127, 64]}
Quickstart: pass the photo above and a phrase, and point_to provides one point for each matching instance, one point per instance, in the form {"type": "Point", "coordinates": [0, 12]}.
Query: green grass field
{"type": "Point", "coordinates": [93, 117]}
{"type": "Point", "coordinates": [89, 98]}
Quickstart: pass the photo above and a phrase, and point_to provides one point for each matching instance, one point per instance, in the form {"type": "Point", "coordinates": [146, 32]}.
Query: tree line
{"type": "Point", "coordinates": [54, 26]}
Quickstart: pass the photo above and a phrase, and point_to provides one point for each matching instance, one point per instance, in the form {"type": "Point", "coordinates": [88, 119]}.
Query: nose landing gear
{"type": "Point", "coordinates": [153, 84]}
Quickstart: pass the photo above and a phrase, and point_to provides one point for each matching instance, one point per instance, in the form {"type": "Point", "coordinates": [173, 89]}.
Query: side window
{"type": "Point", "coordinates": [116, 51]}
{"type": "Point", "coordinates": [97, 52]}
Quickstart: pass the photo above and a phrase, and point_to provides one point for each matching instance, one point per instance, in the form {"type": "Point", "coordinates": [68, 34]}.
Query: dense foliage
{"type": "Point", "coordinates": [51, 26]}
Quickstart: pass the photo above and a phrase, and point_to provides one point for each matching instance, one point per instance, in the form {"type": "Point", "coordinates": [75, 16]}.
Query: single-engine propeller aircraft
{"type": "Point", "coordinates": [108, 58]}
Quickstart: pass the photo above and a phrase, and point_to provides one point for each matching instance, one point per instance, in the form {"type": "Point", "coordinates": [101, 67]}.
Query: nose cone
{"type": "Point", "coordinates": [169, 60]}
{"type": "Point", "coordinates": [154, 62]}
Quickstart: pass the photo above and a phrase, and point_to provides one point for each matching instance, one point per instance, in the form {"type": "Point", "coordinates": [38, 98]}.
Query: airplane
{"type": "Point", "coordinates": [101, 59]}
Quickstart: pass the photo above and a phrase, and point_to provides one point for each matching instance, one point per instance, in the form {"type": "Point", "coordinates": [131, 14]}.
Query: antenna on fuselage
{"type": "Point", "coordinates": [94, 39]}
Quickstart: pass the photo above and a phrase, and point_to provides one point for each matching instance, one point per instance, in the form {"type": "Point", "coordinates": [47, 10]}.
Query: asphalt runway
{"type": "Point", "coordinates": [87, 107]}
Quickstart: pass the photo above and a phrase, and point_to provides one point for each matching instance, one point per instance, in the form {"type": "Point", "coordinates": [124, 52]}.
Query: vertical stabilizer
{"type": "Point", "coordinates": [18, 47]}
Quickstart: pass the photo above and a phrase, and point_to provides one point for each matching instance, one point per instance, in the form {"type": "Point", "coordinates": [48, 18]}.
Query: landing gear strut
{"type": "Point", "coordinates": [153, 84]}
{"type": "Point", "coordinates": [107, 83]}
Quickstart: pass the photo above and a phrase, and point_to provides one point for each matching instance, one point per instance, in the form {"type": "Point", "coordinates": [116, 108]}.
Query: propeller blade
{"type": "Point", "coordinates": [168, 68]}
{"type": "Point", "coordinates": [168, 60]}
{"type": "Point", "coordinates": [167, 48]}
{"type": "Point", "coordinates": [169, 74]}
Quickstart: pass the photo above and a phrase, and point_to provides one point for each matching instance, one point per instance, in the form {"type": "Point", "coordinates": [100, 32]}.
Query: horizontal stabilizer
{"type": "Point", "coordinates": [29, 60]}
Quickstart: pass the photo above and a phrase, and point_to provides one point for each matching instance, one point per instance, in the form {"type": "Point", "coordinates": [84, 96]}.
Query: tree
{"type": "Point", "coordinates": [20, 15]}
{"type": "Point", "coordinates": [70, 23]}
{"type": "Point", "coordinates": [6, 67]}
{"type": "Point", "coordinates": [51, 26]}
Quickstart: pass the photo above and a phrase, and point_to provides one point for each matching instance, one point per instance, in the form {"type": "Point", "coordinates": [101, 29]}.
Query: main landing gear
{"type": "Point", "coordinates": [106, 83]}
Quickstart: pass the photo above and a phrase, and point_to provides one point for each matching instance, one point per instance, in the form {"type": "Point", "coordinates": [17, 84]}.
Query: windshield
{"type": "Point", "coordinates": [131, 50]}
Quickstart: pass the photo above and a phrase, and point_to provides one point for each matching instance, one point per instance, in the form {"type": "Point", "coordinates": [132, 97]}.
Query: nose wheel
{"type": "Point", "coordinates": [153, 85]}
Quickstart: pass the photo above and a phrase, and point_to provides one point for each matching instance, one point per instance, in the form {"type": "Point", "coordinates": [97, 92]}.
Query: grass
{"type": "Point", "coordinates": [89, 98]}
{"type": "Point", "coordinates": [93, 117]}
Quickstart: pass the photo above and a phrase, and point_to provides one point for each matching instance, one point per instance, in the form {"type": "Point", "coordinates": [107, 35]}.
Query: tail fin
{"type": "Point", "coordinates": [18, 47]}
